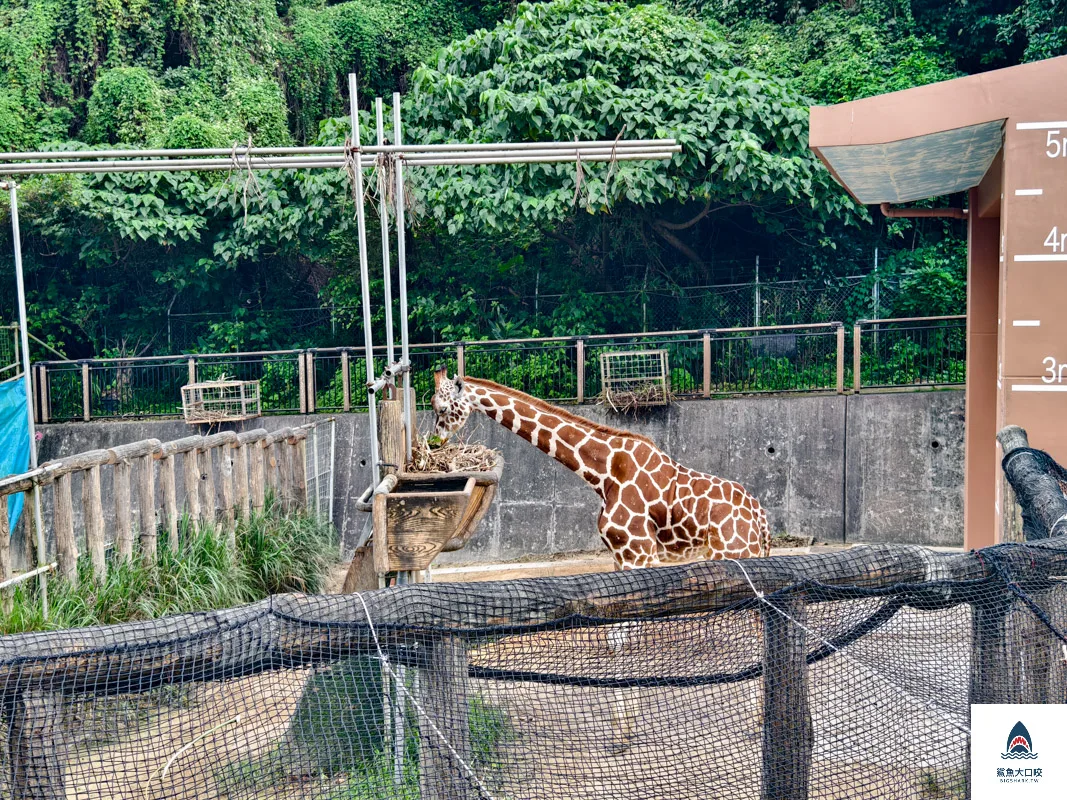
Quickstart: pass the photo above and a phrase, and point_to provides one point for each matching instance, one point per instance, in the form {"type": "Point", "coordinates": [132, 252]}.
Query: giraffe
{"type": "Point", "coordinates": [654, 511]}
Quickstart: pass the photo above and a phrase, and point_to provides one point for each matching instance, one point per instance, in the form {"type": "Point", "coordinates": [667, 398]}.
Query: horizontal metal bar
{"type": "Point", "coordinates": [25, 576]}
{"type": "Point", "coordinates": [912, 319]}
{"type": "Point", "coordinates": [411, 158]}
{"type": "Point", "coordinates": [332, 162]}
{"type": "Point", "coordinates": [544, 159]}
{"type": "Point", "coordinates": [242, 150]}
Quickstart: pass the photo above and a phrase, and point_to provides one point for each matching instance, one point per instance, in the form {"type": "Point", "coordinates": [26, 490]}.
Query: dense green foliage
{"type": "Point", "coordinates": [112, 261]}
{"type": "Point", "coordinates": [275, 553]}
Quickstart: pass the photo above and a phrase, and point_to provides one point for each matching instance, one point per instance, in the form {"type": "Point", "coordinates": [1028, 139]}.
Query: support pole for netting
{"type": "Point", "coordinates": [788, 735]}
{"type": "Point", "coordinates": [364, 275]}
{"type": "Point", "coordinates": [38, 521]}
{"type": "Point", "coordinates": [402, 276]}
{"type": "Point", "coordinates": [1038, 492]}
{"type": "Point", "coordinates": [383, 212]}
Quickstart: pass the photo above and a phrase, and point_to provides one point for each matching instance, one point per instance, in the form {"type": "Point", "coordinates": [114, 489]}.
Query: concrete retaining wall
{"type": "Point", "coordinates": [881, 467]}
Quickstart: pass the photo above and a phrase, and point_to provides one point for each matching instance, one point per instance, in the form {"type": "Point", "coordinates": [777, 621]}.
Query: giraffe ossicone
{"type": "Point", "coordinates": [654, 510]}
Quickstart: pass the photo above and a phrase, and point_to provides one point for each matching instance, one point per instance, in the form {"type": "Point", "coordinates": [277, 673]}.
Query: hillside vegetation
{"type": "Point", "coordinates": [111, 261]}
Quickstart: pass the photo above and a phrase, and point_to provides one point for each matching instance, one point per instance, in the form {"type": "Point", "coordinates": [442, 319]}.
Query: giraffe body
{"type": "Point", "coordinates": [654, 510]}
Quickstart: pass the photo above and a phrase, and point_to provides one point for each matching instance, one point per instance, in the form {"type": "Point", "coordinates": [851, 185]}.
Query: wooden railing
{"type": "Point", "coordinates": [224, 477]}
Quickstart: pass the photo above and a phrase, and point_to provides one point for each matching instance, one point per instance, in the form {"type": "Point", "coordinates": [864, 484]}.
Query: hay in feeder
{"type": "Point", "coordinates": [451, 457]}
{"type": "Point", "coordinates": [633, 400]}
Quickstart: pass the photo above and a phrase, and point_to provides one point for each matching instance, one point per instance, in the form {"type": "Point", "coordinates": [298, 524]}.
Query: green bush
{"type": "Point", "coordinates": [189, 131]}
{"type": "Point", "coordinates": [126, 106]}
{"type": "Point", "coordinates": [260, 106]}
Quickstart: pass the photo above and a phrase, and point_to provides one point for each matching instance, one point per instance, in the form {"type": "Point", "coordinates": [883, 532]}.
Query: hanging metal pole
{"type": "Point", "coordinates": [383, 212]}
{"type": "Point", "coordinates": [364, 278]}
{"type": "Point", "coordinates": [756, 298]}
{"type": "Point", "coordinates": [402, 276]}
{"type": "Point", "coordinates": [25, 340]}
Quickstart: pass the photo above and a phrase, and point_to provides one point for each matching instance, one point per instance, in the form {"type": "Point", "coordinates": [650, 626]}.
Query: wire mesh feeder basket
{"type": "Point", "coordinates": [221, 400]}
{"type": "Point", "coordinates": [635, 379]}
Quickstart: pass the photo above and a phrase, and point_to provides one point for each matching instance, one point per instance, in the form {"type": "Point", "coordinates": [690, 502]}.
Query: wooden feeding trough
{"type": "Point", "coordinates": [416, 515]}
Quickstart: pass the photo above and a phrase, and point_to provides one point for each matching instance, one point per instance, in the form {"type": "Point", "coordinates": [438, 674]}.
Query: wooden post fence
{"type": "Point", "coordinates": [222, 480]}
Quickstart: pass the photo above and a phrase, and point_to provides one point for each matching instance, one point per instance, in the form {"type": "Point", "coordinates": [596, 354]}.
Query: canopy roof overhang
{"type": "Point", "coordinates": [929, 141]}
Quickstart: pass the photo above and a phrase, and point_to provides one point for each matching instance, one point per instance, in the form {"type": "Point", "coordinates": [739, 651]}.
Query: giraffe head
{"type": "Point", "coordinates": [451, 404]}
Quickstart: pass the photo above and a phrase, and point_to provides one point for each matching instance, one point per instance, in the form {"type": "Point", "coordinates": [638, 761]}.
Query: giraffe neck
{"type": "Point", "coordinates": [580, 445]}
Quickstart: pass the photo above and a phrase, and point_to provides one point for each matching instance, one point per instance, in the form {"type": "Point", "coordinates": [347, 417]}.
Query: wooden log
{"type": "Point", "coordinates": [146, 504]}
{"type": "Point", "coordinates": [93, 519]}
{"type": "Point", "coordinates": [988, 640]}
{"type": "Point", "coordinates": [445, 698]}
{"type": "Point", "coordinates": [5, 556]}
{"type": "Point", "coordinates": [282, 451]}
{"type": "Point", "coordinates": [240, 463]}
{"type": "Point", "coordinates": [788, 734]}
{"type": "Point", "coordinates": [168, 477]}
{"type": "Point", "coordinates": [191, 479]}
{"type": "Point", "coordinates": [391, 435]}
{"type": "Point", "coordinates": [120, 476]}
{"type": "Point", "coordinates": [252, 638]}
{"type": "Point", "coordinates": [300, 471]}
{"type": "Point", "coordinates": [66, 544]}
{"type": "Point", "coordinates": [35, 746]}
{"type": "Point", "coordinates": [208, 497]}
{"type": "Point", "coordinates": [270, 468]}
{"type": "Point", "coordinates": [380, 538]}
{"type": "Point", "coordinates": [229, 518]}
{"type": "Point", "coordinates": [257, 478]}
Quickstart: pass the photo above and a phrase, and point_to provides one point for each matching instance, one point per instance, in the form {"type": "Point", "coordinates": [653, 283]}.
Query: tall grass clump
{"type": "Point", "coordinates": [276, 552]}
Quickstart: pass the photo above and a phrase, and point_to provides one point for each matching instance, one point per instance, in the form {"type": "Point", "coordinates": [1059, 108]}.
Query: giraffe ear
{"type": "Point", "coordinates": [459, 384]}
{"type": "Point", "coordinates": [438, 376]}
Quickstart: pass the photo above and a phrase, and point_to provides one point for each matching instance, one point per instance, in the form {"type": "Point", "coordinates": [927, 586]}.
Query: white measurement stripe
{"type": "Point", "coordinates": [1026, 323]}
{"type": "Point", "coordinates": [1038, 126]}
{"type": "Point", "coordinates": [1042, 257]}
{"type": "Point", "coordinates": [1028, 192]}
{"type": "Point", "coordinates": [1040, 387]}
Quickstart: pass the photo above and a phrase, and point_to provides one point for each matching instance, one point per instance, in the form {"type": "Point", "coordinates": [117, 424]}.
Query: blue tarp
{"type": "Point", "coordinates": [14, 439]}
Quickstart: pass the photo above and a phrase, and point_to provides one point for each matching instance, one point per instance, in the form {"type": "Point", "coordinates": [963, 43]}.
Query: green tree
{"type": "Point", "coordinates": [126, 106]}
{"type": "Point", "coordinates": [595, 70]}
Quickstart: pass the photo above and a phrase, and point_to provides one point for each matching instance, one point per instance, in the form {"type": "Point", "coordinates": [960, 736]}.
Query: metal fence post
{"type": "Point", "coordinates": [461, 361]}
{"type": "Point", "coordinates": [841, 359]}
{"type": "Point", "coordinates": [580, 366]}
{"type": "Point", "coordinates": [346, 382]}
{"type": "Point", "coordinates": [302, 372]}
{"type": "Point", "coordinates": [85, 391]}
{"type": "Point", "coordinates": [42, 391]}
{"type": "Point", "coordinates": [856, 357]}
{"type": "Point", "coordinates": [707, 363]}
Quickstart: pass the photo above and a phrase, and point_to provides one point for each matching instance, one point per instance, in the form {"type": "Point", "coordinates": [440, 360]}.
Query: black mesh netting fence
{"type": "Point", "coordinates": [839, 675]}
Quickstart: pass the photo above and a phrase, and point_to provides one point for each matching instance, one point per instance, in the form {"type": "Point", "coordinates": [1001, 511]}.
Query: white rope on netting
{"type": "Point", "coordinates": [250, 180]}
{"type": "Point", "coordinates": [926, 705]}
{"type": "Point", "coordinates": [418, 706]}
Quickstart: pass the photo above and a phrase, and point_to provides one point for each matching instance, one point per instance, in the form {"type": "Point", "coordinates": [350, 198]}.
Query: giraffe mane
{"type": "Point", "coordinates": [562, 413]}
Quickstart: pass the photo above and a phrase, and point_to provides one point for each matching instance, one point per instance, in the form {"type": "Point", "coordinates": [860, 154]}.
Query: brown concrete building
{"type": "Point", "coordinates": [1002, 137]}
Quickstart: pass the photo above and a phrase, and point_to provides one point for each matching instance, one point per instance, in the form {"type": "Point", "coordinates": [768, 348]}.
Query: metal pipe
{"type": "Point", "coordinates": [38, 518]}
{"type": "Point", "coordinates": [364, 277]}
{"type": "Point", "coordinates": [211, 165]}
{"type": "Point", "coordinates": [402, 276]}
{"type": "Point", "coordinates": [175, 165]}
{"type": "Point", "coordinates": [25, 576]}
{"type": "Point", "coordinates": [383, 212]}
{"type": "Point", "coordinates": [523, 159]}
{"type": "Point", "coordinates": [574, 149]}
{"type": "Point", "coordinates": [916, 213]}
{"type": "Point", "coordinates": [242, 150]}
